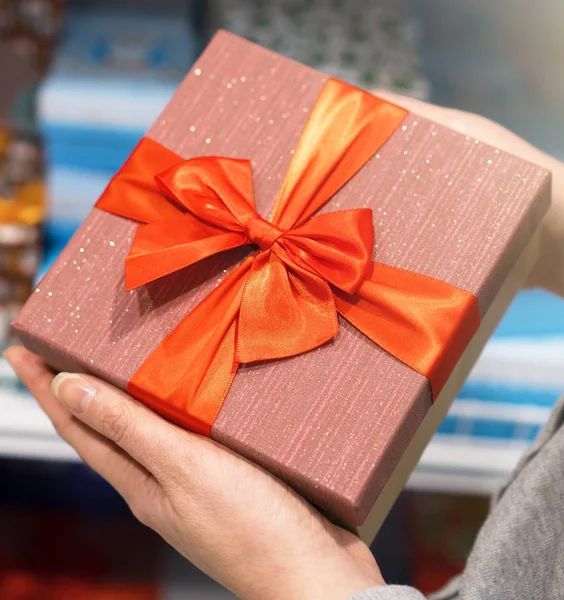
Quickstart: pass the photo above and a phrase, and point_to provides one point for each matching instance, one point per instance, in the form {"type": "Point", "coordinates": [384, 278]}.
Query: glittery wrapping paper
{"type": "Point", "coordinates": [334, 422]}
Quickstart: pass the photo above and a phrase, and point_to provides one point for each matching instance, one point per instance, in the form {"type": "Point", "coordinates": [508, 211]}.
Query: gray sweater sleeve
{"type": "Point", "coordinates": [389, 592]}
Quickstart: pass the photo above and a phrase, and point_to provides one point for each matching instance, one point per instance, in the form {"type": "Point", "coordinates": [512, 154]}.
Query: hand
{"type": "Point", "coordinates": [229, 517]}
{"type": "Point", "coordinates": [549, 270]}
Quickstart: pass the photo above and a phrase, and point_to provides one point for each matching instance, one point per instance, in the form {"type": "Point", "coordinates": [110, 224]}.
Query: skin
{"type": "Point", "coordinates": [229, 517]}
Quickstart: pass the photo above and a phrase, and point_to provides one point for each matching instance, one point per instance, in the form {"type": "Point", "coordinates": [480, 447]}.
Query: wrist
{"type": "Point", "coordinates": [330, 578]}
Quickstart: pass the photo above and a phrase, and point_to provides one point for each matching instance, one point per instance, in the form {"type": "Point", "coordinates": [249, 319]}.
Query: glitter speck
{"type": "Point", "coordinates": [476, 141]}
{"type": "Point", "coordinates": [415, 123]}
{"type": "Point", "coordinates": [81, 250]}
{"type": "Point", "coordinates": [91, 361]}
{"type": "Point", "coordinates": [377, 156]}
{"type": "Point", "coordinates": [270, 121]}
{"type": "Point", "coordinates": [229, 85]}
{"type": "Point", "coordinates": [305, 109]}
{"type": "Point", "coordinates": [243, 79]}
{"type": "Point", "coordinates": [263, 97]}
{"type": "Point", "coordinates": [292, 151]}
{"type": "Point", "coordinates": [257, 119]}
{"type": "Point", "coordinates": [111, 321]}
{"type": "Point", "coordinates": [405, 152]}
{"type": "Point", "coordinates": [198, 71]}
{"type": "Point", "coordinates": [524, 180]}
{"type": "Point", "coordinates": [467, 138]}
{"type": "Point", "coordinates": [433, 133]}
{"type": "Point", "coordinates": [163, 121]}
{"type": "Point", "coordinates": [208, 140]}
{"type": "Point", "coordinates": [490, 161]}
{"type": "Point", "coordinates": [496, 151]}
{"type": "Point", "coordinates": [450, 182]}
{"type": "Point", "coordinates": [37, 290]}
{"type": "Point", "coordinates": [427, 161]}
{"type": "Point", "coordinates": [112, 244]}
{"type": "Point", "coordinates": [192, 128]}
{"type": "Point", "coordinates": [49, 294]}
{"type": "Point", "coordinates": [48, 320]}
{"type": "Point", "coordinates": [404, 128]}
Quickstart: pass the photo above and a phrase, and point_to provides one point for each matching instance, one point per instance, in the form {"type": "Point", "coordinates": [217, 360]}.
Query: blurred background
{"type": "Point", "coordinates": [81, 81]}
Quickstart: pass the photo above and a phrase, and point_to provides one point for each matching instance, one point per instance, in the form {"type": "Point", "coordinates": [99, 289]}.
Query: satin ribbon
{"type": "Point", "coordinates": [284, 299]}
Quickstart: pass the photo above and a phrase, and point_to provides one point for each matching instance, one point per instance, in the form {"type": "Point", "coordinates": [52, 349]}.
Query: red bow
{"type": "Point", "coordinates": [288, 281]}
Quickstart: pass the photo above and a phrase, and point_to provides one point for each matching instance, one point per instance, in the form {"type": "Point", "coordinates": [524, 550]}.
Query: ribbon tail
{"type": "Point", "coordinates": [423, 322]}
{"type": "Point", "coordinates": [187, 377]}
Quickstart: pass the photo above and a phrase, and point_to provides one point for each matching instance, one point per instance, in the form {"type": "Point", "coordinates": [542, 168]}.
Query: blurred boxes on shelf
{"type": "Point", "coordinates": [441, 532]}
{"type": "Point", "coordinates": [60, 555]}
{"type": "Point", "coordinates": [28, 32]}
{"type": "Point", "coordinates": [21, 215]}
{"type": "Point", "coordinates": [115, 69]}
{"type": "Point", "coordinates": [368, 44]}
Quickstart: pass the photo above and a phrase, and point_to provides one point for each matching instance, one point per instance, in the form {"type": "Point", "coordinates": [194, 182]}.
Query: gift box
{"type": "Point", "coordinates": [327, 342]}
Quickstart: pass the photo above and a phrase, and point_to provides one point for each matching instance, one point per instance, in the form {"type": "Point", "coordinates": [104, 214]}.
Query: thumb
{"type": "Point", "coordinates": [142, 434]}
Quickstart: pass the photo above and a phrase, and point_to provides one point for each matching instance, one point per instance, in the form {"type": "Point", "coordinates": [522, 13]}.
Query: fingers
{"type": "Point", "coordinates": [142, 434]}
{"type": "Point", "coordinates": [127, 476]}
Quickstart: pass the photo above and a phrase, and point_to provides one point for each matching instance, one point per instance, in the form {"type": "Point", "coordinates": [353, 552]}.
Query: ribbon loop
{"type": "Point", "coordinates": [217, 190]}
{"type": "Point", "coordinates": [336, 246]}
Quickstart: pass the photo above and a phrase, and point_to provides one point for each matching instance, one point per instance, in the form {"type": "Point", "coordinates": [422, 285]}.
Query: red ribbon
{"type": "Point", "coordinates": [285, 298]}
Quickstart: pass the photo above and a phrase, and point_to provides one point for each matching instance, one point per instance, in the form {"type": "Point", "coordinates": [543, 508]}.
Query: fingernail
{"type": "Point", "coordinates": [73, 391]}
